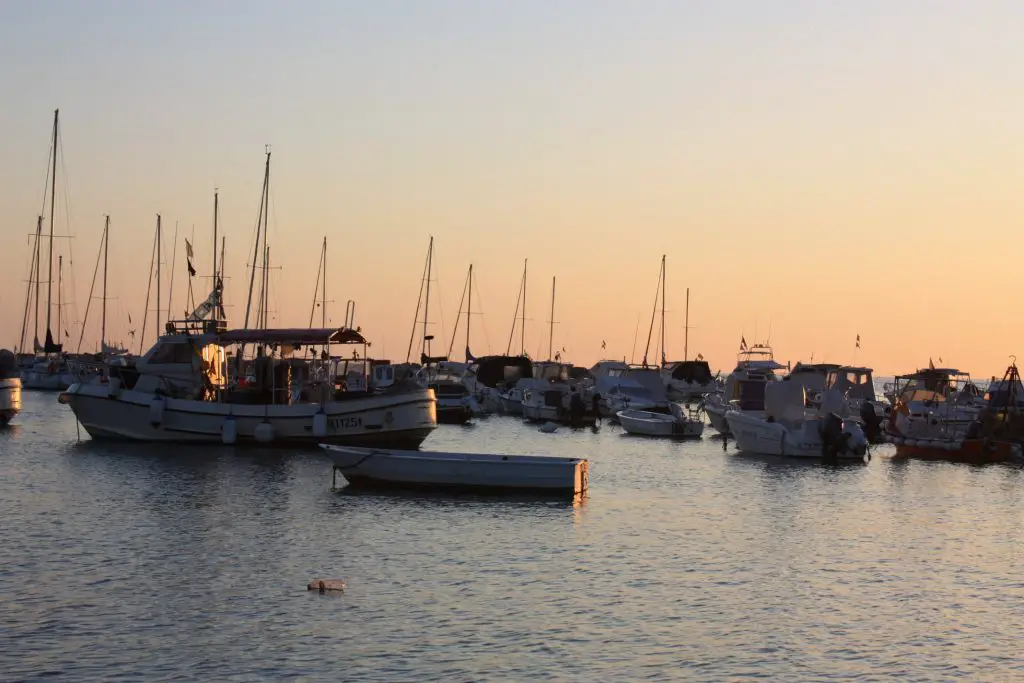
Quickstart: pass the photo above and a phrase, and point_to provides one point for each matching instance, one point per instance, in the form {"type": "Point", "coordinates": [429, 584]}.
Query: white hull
{"type": "Point", "coordinates": [751, 433]}
{"type": "Point", "coordinates": [43, 380]}
{"type": "Point", "coordinates": [684, 392]}
{"type": "Point", "coordinates": [536, 413]}
{"type": "Point", "coordinates": [10, 399]}
{"type": "Point", "coordinates": [716, 416]}
{"type": "Point", "coordinates": [428, 470]}
{"type": "Point", "coordinates": [397, 419]}
{"type": "Point", "coordinates": [512, 405]}
{"type": "Point", "coordinates": [644, 423]}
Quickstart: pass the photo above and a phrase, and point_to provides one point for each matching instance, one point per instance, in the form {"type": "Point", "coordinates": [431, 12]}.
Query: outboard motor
{"type": "Point", "coordinates": [872, 423]}
{"type": "Point", "coordinates": [833, 438]}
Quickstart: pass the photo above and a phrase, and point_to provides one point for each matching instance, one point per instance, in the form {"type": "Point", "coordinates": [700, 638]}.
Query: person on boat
{"type": "Point", "coordinates": [577, 408]}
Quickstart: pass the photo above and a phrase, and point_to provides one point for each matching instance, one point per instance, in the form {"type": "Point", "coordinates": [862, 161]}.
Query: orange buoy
{"type": "Point", "coordinates": [327, 585]}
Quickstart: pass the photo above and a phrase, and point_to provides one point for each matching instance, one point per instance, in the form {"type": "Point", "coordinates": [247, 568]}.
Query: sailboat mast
{"type": "Point", "coordinates": [469, 307]}
{"type": "Point", "coordinates": [323, 291]}
{"type": "Point", "coordinates": [159, 239]}
{"type": "Point", "coordinates": [256, 248]}
{"type": "Point", "coordinates": [106, 249]}
{"type": "Point", "coordinates": [53, 210]}
{"type": "Point", "coordinates": [686, 328]}
{"type": "Point", "coordinates": [663, 284]}
{"type": "Point", "coordinates": [215, 211]}
{"type": "Point", "coordinates": [551, 322]}
{"type": "Point", "coordinates": [60, 286]}
{"type": "Point", "coordinates": [522, 327]}
{"type": "Point", "coordinates": [39, 242]}
{"type": "Point", "coordinates": [426, 298]}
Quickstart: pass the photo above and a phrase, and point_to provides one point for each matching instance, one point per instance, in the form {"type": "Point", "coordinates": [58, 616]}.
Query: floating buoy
{"type": "Point", "coordinates": [264, 432]}
{"type": "Point", "coordinates": [156, 411]}
{"type": "Point", "coordinates": [549, 427]}
{"type": "Point", "coordinates": [326, 585]}
{"type": "Point", "coordinates": [229, 431]}
{"type": "Point", "coordinates": [319, 425]}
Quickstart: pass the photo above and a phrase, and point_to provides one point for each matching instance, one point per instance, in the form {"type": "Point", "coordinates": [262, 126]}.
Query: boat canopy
{"type": "Point", "coordinates": [692, 371]}
{"type": "Point", "coordinates": [298, 335]}
{"type": "Point", "coordinates": [493, 371]}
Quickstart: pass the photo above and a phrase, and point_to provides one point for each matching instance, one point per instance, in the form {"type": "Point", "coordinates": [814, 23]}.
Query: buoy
{"type": "Point", "coordinates": [549, 427]}
{"type": "Point", "coordinates": [326, 585]}
{"type": "Point", "coordinates": [320, 424]}
{"type": "Point", "coordinates": [264, 432]}
{"type": "Point", "coordinates": [229, 431]}
{"type": "Point", "coordinates": [156, 411]}
{"type": "Point", "coordinates": [114, 387]}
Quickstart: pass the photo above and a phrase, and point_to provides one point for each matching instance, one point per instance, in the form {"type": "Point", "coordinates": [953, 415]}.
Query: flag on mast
{"type": "Point", "coordinates": [858, 341]}
{"type": "Point", "coordinates": [188, 258]}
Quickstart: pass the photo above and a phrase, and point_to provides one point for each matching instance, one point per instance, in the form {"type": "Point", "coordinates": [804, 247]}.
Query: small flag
{"type": "Point", "coordinates": [563, 348]}
{"type": "Point", "coordinates": [858, 341]}
{"type": "Point", "coordinates": [191, 270]}
{"type": "Point", "coordinates": [940, 359]}
{"type": "Point", "coordinates": [700, 356]}
{"type": "Point", "coordinates": [931, 365]}
{"type": "Point", "coordinates": [188, 249]}
{"type": "Point", "coordinates": [604, 344]}
{"type": "Point", "coordinates": [129, 318]}
{"type": "Point", "coordinates": [743, 343]}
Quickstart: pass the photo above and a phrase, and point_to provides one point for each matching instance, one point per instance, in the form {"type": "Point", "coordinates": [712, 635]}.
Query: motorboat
{"type": "Point", "coordinates": [187, 388]}
{"type": "Point", "coordinates": [933, 404]}
{"type": "Point", "coordinates": [857, 386]}
{"type": "Point", "coordinates": [677, 424]}
{"type": "Point", "coordinates": [10, 387]}
{"type": "Point", "coordinates": [47, 372]}
{"type": "Point", "coordinates": [455, 405]}
{"type": "Point", "coordinates": [478, 472]}
{"type": "Point", "coordinates": [812, 377]}
{"type": "Point", "coordinates": [688, 380]}
{"type": "Point", "coordinates": [546, 396]}
{"type": "Point", "coordinates": [744, 388]}
{"type": "Point", "coordinates": [488, 377]}
{"type": "Point", "coordinates": [787, 427]}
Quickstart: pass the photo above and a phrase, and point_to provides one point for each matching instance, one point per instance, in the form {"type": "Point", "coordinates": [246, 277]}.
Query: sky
{"type": "Point", "coordinates": [812, 171]}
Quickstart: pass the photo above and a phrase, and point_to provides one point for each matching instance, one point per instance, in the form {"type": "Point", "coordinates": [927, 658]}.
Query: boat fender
{"type": "Point", "coordinates": [264, 432]}
{"type": "Point", "coordinates": [156, 411]}
{"type": "Point", "coordinates": [326, 586]}
{"type": "Point", "coordinates": [114, 387]}
{"type": "Point", "coordinates": [320, 425]}
{"type": "Point", "coordinates": [229, 431]}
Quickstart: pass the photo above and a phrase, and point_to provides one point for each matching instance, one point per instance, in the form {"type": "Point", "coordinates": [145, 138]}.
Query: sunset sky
{"type": "Point", "coordinates": [819, 170]}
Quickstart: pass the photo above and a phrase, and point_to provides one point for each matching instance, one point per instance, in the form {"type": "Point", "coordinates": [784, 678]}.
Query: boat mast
{"type": "Point", "coordinates": [469, 307]}
{"type": "Point", "coordinates": [425, 350]}
{"type": "Point", "coordinates": [106, 249]}
{"type": "Point", "coordinates": [215, 212]}
{"type": "Point", "coordinates": [33, 281]}
{"type": "Point", "coordinates": [686, 328]}
{"type": "Point", "coordinates": [323, 290]}
{"type": "Point", "coordinates": [259, 228]}
{"type": "Point", "coordinates": [551, 322]}
{"type": "Point", "coordinates": [159, 239]}
{"type": "Point", "coordinates": [419, 301]}
{"type": "Point", "coordinates": [663, 283]}
{"type": "Point", "coordinates": [60, 286]}
{"type": "Point", "coordinates": [320, 274]}
{"type": "Point", "coordinates": [522, 326]}
{"type": "Point", "coordinates": [650, 330]}
{"type": "Point", "coordinates": [53, 210]}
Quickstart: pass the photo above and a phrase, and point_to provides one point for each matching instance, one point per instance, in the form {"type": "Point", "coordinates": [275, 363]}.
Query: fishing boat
{"type": "Point", "coordinates": [10, 387]}
{"type": "Point", "coordinates": [477, 472]}
{"type": "Point", "coordinates": [745, 386]}
{"type": "Point", "coordinates": [181, 392]}
{"type": "Point", "coordinates": [788, 428]}
{"type": "Point", "coordinates": [677, 424]}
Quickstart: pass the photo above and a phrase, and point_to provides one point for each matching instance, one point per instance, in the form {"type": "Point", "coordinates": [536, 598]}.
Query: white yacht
{"type": "Point", "coordinates": [188, 389]}
{"type": "Point", "coordinates": [546, 396]}
{"type": "Point", "coordinates": [10, 387]}
{"type": "Point", "coordinates": [744, 387]}
{"type": "Point", "coordinates": [688, 380]}
{"type": "Point", "coordinates": [488, 377]}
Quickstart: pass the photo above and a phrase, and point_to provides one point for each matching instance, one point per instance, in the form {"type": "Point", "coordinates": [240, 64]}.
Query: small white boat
{"type": "Point", "coordinates": [10, 387]}
{"type": "Point", "coordinates": [387, 468]}
{"type": "Point", "coordinates": [644, 423]}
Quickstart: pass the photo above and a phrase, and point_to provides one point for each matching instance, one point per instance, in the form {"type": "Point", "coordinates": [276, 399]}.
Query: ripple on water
{"type": "Point", "coordinates": [686, 563]}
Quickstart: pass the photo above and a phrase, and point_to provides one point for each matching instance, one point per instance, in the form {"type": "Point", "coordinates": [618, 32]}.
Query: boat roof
{"type": "Point", "coordinates": [853, 368]}
{"type": "Point", "coordinates": [292, 335]}
{"type": "Point", "coordinates": [814, 367]}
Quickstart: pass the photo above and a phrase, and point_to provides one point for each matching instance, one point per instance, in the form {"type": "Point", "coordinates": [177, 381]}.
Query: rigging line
{"type": "Point", "coordinates": [92, 288]}
{"type": "Point", "coordinates": [316, 290]}
{"type": "Point", "coordinates": [480, 308]}
{"type": "Point", "coordinates": [416, 315]}
{"type": "Point", "coordinates": [654, 312]}
{"type": "Point", "coordinates": [28, 292]}
{"type": "Point", "coordinates": [174, 263]}
{"type": "Point", "coordinates": [67, 223]}
{"type": "Point", "coordinates": [440, 298]}
{"type": "Point", "coordinates": [149, 287]}
{"type": "Point", "coordinates": [458, 316]}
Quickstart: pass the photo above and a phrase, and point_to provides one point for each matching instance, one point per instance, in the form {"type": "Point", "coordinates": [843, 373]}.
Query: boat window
{"type": "Point", "coordinates": [167, 354]}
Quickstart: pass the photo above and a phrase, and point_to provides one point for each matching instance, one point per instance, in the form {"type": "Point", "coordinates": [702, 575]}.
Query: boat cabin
{"type": "Point", "coordinates": [692, 371]}
{"type": "Point", "coordinates": [853, 382]}
{"type": "Point", "coordinates": [500, 372]}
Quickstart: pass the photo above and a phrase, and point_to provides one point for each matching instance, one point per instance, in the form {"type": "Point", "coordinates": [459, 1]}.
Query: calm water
{"type": "Point", "coordinates": [685, 563]}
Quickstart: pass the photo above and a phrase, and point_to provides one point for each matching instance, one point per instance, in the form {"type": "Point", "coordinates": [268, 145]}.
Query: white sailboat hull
{"type": "Point", "coordinates": [716, 416]}
{"type": "Point", "coordinates": [473, 471]}
{"type": "Point", "coordinates": [400, 419]}
{"type": "Point", "coordinates": [10, 400]}
{"type": "Point", "coordinates": [43, 380]}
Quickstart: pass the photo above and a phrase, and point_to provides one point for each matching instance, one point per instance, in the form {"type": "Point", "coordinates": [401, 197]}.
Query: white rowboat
{"type": "Point", "coordinates": [427, 470]}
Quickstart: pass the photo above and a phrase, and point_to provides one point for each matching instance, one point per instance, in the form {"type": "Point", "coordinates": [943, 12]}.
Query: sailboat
{"type": "Point", "coordinates": [455, 405]}
{"type": "Point", "coordinates": [195, 385]}
{"type": "Point", "coordinates": [688, 379]}
{"type": "Point", "coordinates": [47, 369]}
